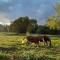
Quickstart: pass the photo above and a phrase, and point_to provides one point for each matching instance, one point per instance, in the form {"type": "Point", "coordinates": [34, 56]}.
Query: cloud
{"type": "Point", "coordinates": [39, 9]}
{"type": "Point", "coordinates": [4, 19]}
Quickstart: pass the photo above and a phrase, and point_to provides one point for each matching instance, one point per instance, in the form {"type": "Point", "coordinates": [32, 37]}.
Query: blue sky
{"type": "Point", "coordinates": [39, 9]}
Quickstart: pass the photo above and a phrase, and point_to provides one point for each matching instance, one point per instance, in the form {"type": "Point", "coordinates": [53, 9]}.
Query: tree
{"type": "Point", "coordinates": [58, 24]}
{"type": "Point", "coordinates": [42, 30]}
{"type": "Point", "coordinates": [20, 25]}
{"type": "Point", "coordinates": [32, 27]}
{"type": "Point", "coordinates": [52, 22]}
{"type": "Point", "coordinates": [57, 9]}
{"type": "Point", "coordinates": [4, 28]}
{"type": "Point", "coordinates": [23, 25]}
{"type": "Point", "coordinates": [1, 28]}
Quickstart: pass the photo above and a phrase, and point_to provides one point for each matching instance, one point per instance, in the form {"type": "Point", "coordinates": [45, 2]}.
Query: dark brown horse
{"type": "Point", "coordinates": [36, 40]}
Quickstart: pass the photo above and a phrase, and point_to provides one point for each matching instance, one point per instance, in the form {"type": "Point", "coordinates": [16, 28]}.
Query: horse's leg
{"type": "Point", "coordinates": [50, 43]}
{"type": "Point", "coordinates": [29, 43]}
{"type": "Point", "coordinates": [37, 45]}
{"type": "Point", "coordinates": [44, 44]}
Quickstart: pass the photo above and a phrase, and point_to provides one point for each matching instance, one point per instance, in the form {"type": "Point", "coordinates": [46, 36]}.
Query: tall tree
{"type": "Point", "coordinates": [23, 24]}
{"type": "Point", "coordinates": [57, 8]}
{"type": "Point", "coordinates": [20, 25]}
{"type": "Point", "coordinates": [32, 27]}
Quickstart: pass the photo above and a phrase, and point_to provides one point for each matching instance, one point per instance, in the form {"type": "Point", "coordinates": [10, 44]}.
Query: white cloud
{"type": "Point", "coordinates": [1, 23]}
{"type": "Point", "coordinates": [4, 19]}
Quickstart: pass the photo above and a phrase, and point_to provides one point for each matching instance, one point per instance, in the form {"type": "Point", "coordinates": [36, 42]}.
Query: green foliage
{"type": "Point", "coordinates": [42, 30]}
{"type": "Point", "coordinates": [23, 24]}
{"type": "Point", "coordinates": [54, 25]}
{"type": "Point", "coordinates": [20, 25]}
{"type": "Point", "coordinates": [52, 22]}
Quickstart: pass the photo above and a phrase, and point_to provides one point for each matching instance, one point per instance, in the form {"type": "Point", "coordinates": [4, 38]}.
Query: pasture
{"type": "Point", "coordinates": [15, 48]}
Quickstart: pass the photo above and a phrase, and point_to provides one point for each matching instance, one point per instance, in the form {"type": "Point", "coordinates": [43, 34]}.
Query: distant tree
{"type": "Point", "coordinates": [4, 28]}
{"type": "Point", "coordinates": [42, 30]}
{"type": "Point", "coordinates": [23, 24]}
{"type": "Point", "coordinates": [1, 28]}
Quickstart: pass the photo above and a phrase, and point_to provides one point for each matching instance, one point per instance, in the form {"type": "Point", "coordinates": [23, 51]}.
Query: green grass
{"type": "Point", "coordinates": [11, 47]}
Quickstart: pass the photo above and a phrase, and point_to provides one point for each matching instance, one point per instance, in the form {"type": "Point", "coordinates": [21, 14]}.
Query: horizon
{"type": "Point", "coordinates": [37, 9]}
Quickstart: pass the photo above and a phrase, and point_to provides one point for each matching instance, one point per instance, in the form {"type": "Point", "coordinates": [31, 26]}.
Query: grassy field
{"type": "Point", "coordinates": [15, 48]}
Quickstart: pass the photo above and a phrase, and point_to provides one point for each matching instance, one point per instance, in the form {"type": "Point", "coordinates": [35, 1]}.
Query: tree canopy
{"type": "Point", "coordinates": [23, 24]}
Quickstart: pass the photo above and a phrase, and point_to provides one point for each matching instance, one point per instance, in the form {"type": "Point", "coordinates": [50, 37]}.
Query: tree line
{"type": "Point", "coordinates": [4, 28]}
{"type": "Point", "coordinates": [24, 25]}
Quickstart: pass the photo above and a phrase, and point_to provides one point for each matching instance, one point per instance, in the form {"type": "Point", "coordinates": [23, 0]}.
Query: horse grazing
{"type": "Point", "coordinates": [36, 40]}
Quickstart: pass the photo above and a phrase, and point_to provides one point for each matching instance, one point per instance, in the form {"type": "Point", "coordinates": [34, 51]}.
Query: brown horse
{"type": "Point", "coordinates": [36, 40]}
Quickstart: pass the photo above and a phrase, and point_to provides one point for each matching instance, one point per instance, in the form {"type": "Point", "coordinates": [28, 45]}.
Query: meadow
{"type": "Point", "coordinates": [13, 47]}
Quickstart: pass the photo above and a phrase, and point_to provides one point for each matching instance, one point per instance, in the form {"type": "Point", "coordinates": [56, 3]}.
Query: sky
{"type": "Point", "coordinates": [37, 9]}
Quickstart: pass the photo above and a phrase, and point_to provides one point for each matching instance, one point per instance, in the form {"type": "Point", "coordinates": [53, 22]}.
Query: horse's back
{"type": "Point", "coordinates": [35, 39]}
